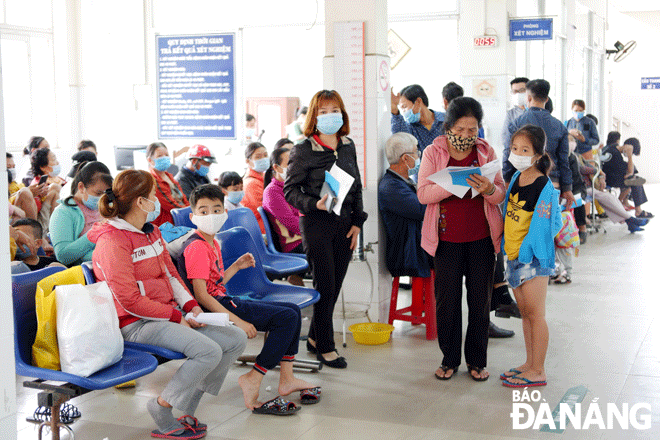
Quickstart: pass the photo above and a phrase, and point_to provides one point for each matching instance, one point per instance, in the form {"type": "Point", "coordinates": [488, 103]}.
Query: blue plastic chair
{"type": "Point", "coordinates": [181, 217]}
{"type": "Point", "coordinates": [270, 238]}
{"type": "Point", "coordinates": [252, 282]}
{"type": "Point", "coordinates": [281, 265]}
{"type": "Point", "coordinates": [133, 364]}
{"type": "Point", "coordinates": [163, 354]}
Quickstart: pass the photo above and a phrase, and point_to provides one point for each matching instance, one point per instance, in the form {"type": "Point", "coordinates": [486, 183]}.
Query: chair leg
{"type": "Point", "coordinates": [393, 299]}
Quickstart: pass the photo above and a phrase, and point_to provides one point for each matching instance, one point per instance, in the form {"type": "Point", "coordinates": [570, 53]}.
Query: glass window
{"type": "Point", "coordinates": [16, 91]}
{"type": "Point", "coordinates": [28, 89]}
{"type": "Point", "coordinates": [35, 13]}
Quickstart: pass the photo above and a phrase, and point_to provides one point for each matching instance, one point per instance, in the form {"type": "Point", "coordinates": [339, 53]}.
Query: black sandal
{"type": "Point", "coordinates": [478, 370]}
{"type": "Point", "coordinates": [444, 370]}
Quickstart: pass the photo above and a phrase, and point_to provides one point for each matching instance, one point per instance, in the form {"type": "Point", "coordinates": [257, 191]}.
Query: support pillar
{"type": "Point", "coordinates": [376, 119]}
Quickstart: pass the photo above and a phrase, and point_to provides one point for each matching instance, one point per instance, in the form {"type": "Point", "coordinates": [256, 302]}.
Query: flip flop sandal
{"type": "Point", "coordinates": [181, 433]}
{"type": "Point", "coordinates": [478, 370]}
{"type": "Point", "coordinates": [310, 396]}
{"type": "Point", "coordinates": [192, 423]}
{"type": "Point", "coordinates": [277, 407]}
{"type": "Point", "coordinates": [645, 214]}
{"type": "Point", "coordinates": [42, 414]}
{"type": "Point", "coordinates": [528, 383]}
{"type": "Point", "coordinates": [563, 280]}
{"type": "Point", "coordinates": [444, 370]}
{"type": "Point", "coordinates": [513, 370]}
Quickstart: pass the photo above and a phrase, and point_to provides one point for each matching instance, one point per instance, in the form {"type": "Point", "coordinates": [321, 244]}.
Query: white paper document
{"type": "Point", "coordinates": [453, 179]}
{"type": "Point", "coordinates": [219, 319]}
{"type": "Point", "coordinates": [345, 182]}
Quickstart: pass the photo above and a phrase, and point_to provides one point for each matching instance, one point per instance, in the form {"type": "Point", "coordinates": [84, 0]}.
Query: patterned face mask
{"type": "Point", "coordinates": [461, 143]}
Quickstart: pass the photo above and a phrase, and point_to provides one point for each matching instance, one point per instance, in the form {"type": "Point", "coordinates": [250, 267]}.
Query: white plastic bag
{"type": "Point", "coordinates": [88, 332]}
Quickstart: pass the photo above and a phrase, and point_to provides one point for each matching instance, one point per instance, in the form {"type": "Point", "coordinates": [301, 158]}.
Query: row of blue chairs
{"type": "Point", "coordinates": [275, 263]}
{"type": "Point", "coordinates": [138, 359]}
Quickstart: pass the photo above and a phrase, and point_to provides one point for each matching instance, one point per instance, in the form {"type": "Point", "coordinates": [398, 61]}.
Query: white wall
{"type": "Point", "coordinates": [639, 108]}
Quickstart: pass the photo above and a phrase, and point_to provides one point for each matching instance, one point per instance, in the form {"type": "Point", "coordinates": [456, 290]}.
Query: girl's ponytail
{"type": "Point", "coordinates": [544, 163]}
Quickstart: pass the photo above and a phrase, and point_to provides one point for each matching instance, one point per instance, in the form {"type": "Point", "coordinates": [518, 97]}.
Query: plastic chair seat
{"type": "Point", "coordinates": [283, 265]}
{"type": "Point", "coordinates": [181, 217]}
{"type": "Point", "coordinates": [270, 237]}
{"type": "Point", "coordinates": [152, 349]}
{"type": "Point", "coordinates": [133, 364]}
{"type": "Point", "coordinates": [252, 282]}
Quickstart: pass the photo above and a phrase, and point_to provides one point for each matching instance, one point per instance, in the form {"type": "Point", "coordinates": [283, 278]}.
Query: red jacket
{"type": "Point", "coordinates": [253, 184]}
{"type": "Point", "coordinates": [167, 200]}
{"type": "Point", "coordinates": [139, 271]}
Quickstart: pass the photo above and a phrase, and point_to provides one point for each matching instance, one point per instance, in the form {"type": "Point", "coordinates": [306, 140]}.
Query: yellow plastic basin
{"type": "Point", "coordinates": [371, 333]}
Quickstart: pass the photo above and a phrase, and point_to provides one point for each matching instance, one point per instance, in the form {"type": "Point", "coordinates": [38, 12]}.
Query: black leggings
{"type": "Point", "coordinates": [476, 262]}
{"type": "Point", "coordinates": [329, 253]}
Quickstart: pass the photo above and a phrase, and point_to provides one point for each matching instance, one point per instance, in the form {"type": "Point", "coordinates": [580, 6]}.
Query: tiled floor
{"type": "Point", "coordinates": [604, 334]}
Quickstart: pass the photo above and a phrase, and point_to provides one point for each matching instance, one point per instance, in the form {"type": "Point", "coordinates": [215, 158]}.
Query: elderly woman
{"type": "Point", "coordinates": [401, 211]}
{"type": "Point", "coordinates": [462, 235]}
{"type": "Point", "coordinates": [168, 191]}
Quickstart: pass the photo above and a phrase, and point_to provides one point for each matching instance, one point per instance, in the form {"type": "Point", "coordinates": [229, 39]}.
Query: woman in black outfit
{"type": "Point", "coordinates": [328, 239]}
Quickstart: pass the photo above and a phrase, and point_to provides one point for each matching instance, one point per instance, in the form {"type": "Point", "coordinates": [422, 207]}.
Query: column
{"type": "Point", "coordinates": [8, 379]}
{"type": "Point", "coordinates": [370, 142]}
{"type": "Point", "coordinates": [486, 71]}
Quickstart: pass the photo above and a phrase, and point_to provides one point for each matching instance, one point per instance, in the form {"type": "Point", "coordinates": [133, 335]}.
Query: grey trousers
{"type": "Point", "coordinates": [210, 350]}
{"type": "Point", "coordinates": [565, 257]}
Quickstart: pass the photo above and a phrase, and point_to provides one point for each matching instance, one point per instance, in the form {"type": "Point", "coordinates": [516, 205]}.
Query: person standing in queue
{"type": "Point", "coordinates": [328, 239]}
{"type": "Point", "coordinates": [462, 234]}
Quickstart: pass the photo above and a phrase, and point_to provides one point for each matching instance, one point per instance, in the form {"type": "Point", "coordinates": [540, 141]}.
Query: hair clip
{"type": "Point", "coordinates": [111, 196]}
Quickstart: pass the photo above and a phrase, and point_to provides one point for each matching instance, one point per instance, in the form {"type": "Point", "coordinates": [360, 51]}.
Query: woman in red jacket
{"type": "Point", "coordinates": [168, 190]}
{"type": "Point", "coordinates": [153, 303]}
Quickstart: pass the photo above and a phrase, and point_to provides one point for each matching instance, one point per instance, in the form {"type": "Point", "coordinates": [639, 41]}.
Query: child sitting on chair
{"type": "Point", "coordinates": [34, 230]}
{"type": "Point", "coordinates": [204, 269]}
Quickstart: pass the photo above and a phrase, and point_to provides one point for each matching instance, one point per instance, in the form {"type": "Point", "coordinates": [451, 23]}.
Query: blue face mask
{"type": "Point", "coordinates": [261, 165]}
{"type": "Point", "coordinates": [203, 170]}
{"type": "Point", "coordinates": [411, 117]}
{"type": "Point", "coordinates": [235, 197]}
{"type": "Point", "coordinates": [57, 169]}
{"type": "Point", "coordinates": [414, 170]}
{"type": "Point", "coordinates": [92, 202]}
{"type": "Point", "coordinates": [162, 163]}
{"type": "Point", "coordinates": [578, 115]}
{"type": "Point", "coordinates": [330, 123]}
{"type": "Point", "coordinates": [152, 215]}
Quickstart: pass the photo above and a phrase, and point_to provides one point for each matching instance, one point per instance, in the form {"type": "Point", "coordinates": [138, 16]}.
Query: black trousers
{"type": "Point", "coordinates": [475, 261]}
{"type": "Point", "coordinates": [329, 253]}
{"type": "Point", "coordinates": [580, 214]}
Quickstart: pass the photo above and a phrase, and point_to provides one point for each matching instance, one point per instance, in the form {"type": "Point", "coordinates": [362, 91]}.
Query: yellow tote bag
{"type": "Point", "coordinates": [45, 351]}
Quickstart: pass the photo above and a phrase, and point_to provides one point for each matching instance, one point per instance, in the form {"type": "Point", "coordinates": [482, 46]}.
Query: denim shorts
{"type": "Point", "coordinates": [517, 272]}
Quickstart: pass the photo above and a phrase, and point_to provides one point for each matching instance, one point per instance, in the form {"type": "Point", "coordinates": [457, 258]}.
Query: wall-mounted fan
{"type": "Point", "coordinates": [621, 50]}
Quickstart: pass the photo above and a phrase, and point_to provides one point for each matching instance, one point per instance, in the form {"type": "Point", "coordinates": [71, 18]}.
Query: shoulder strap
{"type": "Point", "coordinates": [180, 262]}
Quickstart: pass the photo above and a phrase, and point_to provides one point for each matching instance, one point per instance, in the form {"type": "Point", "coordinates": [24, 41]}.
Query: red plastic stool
{"type": "Point", "coordinates": [422, 309]}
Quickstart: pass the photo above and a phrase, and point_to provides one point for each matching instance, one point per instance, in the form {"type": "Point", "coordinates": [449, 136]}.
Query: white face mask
{"type": "Point", "coordinates": [521, 163]}
{"type": "Point", "coordinates": [211, 223]}
{"type": "Point", "coordinates": [521, 99]}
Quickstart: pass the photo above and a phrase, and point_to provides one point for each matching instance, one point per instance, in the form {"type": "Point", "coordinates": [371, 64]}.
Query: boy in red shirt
{"type": "Point", "coordinates": [205, 271]}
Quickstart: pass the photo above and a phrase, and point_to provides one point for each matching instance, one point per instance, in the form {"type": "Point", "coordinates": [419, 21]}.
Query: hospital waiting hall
{"type": "Point", "coordinates": [330, 219]}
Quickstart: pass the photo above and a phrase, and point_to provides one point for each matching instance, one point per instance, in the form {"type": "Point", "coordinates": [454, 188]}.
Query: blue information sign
{"type": "Point", "coordinates": [195, 86]}
{"type": "Point", "coordinates": [650, 83]}
{"type": "Point", "coordinates": [530, 29]}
